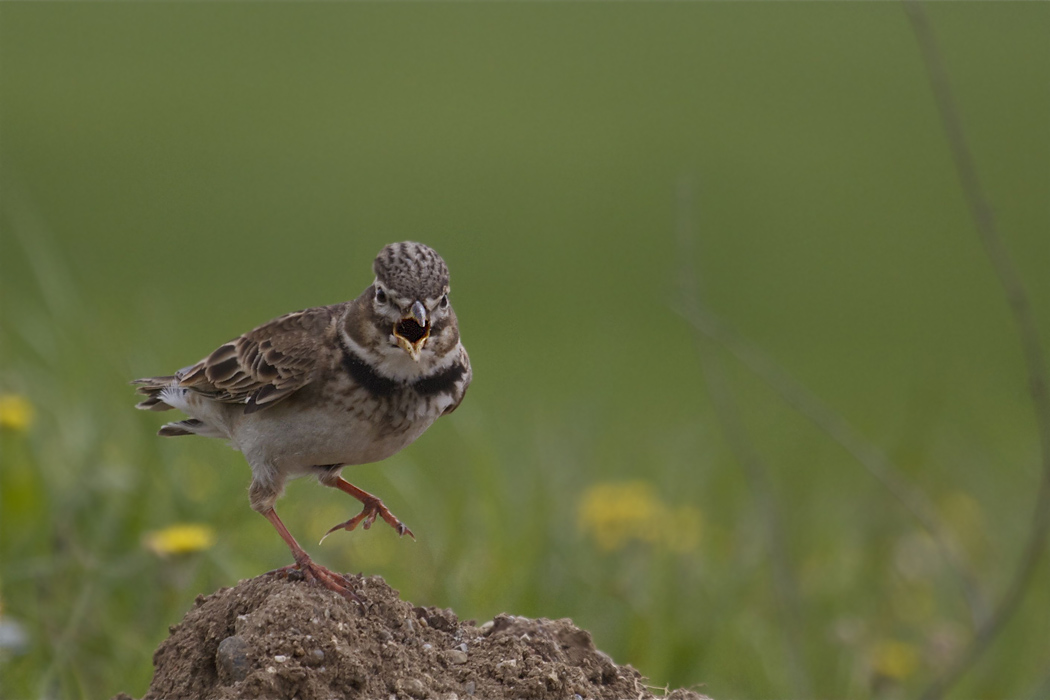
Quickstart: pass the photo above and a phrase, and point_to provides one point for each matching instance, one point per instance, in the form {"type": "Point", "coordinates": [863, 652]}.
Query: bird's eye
{"type": "Point", "coordinates": [444, 301]}
{"type": "Point", "coordinates": [380, 296]}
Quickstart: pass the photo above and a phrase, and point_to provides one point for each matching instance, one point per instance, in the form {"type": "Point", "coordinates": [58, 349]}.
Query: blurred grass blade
{"type": "Point", "coordinates": [1021, 309]}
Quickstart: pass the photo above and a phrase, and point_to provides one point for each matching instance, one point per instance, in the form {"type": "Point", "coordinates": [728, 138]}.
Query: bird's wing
{"type": "Point", "coordinates": [468, 375]}
{"type": "Point", "coordinates": [265, 365]}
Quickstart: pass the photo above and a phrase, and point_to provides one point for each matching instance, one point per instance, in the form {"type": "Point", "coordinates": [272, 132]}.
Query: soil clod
{"type": "Point", "coordinates": [273, 637]}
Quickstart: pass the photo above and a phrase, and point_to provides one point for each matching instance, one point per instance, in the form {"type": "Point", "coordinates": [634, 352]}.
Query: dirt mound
{"type": "Point", "coordinates": [272, 637]}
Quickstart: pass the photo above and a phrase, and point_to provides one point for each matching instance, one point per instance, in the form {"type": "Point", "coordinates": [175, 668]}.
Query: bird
{"type": "Point", "coordinates": [317, 390]}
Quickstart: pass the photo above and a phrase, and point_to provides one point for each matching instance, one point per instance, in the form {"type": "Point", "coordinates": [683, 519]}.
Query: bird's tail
{"type": "Point", "coordinates": [151, 388]}
{"type": "Point", "coordinates": [190, 426]}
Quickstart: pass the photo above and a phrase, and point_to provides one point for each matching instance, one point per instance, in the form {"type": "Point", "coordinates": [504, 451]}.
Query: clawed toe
{"type": "Point", "coordinates": [367, 516]}
{"type": "Point", "coordinates": [305, 566]}
{"type": "Point", "coordinates": [317, 574]}
{"type": "Point", "coordinates": [373, 508]}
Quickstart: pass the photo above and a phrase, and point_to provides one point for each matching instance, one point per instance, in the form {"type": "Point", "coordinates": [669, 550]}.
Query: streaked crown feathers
{"type": "Point", "coordinates": [412, 270]}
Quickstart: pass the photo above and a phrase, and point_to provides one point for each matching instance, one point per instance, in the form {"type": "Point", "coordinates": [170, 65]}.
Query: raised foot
{"type": "Point", "coordinates": [373, 508]}
{"type": "Point", "coordinates": [317, 574]}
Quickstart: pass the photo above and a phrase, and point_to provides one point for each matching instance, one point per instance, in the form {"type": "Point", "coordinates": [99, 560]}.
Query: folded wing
{"type": "Point", "coordinates": [258, 369]}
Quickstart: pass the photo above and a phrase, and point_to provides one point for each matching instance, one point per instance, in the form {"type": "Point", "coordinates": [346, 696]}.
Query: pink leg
{"type": "Point", "coordinates": [373, 507]}
{"type": "Point", "coordinates": [313, 572]}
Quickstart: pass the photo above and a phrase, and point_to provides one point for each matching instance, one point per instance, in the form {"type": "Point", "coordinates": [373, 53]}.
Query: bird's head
{"type": "Point", "coordinates": [410, 298]}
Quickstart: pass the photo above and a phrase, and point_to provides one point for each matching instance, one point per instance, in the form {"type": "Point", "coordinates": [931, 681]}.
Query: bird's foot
{"type": "Point", "coordinates": [373, 508]}
{"type": "Point", "coordinates": [317, 574]}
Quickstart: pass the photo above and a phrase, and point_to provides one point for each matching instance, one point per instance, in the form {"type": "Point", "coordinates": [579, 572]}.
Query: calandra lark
{"type": "Point", "coordinates": [320, 389]}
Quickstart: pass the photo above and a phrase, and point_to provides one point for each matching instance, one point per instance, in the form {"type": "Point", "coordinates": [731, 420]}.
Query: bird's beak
{"type": "Point", "coordinates": [413, 330]}
{"type": "Point", "coordinates": [419, 313]}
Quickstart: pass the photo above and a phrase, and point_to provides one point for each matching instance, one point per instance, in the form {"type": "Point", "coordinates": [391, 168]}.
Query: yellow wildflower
{"type": "Point", "coordinates": [615, 514]}
{"type": "Point", "coordinates": [180, 539]}
{"type": "Point", "coordinates": [16, 412]}
{"type": "Point", "coordinates": [896, 660]}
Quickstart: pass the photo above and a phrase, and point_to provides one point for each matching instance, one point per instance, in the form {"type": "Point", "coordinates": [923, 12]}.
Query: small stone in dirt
{"type": "Point", "coordinates": [232, 658]}
{"type": "Point", "coordinates": [412, 687]}
{"type": "Point", "coordinates": [457, 657]}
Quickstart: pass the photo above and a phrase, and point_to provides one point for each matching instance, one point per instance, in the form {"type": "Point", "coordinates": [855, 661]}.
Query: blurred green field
{"type": "Point", "coordinates": [175, 173]}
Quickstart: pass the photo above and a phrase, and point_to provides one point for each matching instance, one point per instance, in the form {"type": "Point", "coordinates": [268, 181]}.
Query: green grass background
{"type": "Point", "coordinates": [176, 173]}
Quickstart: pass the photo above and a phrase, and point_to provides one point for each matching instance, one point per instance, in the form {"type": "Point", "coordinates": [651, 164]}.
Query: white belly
{"type": "Point", "coordinates": [290, 438]}
{"type": "Point", "coordinates": [294, 440]}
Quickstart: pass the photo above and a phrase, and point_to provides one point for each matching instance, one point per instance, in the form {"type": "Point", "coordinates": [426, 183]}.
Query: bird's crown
{"type": "Point", "coordinates": [415, 270]}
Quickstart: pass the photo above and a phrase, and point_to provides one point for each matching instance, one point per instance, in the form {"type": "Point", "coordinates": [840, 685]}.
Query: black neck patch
{"type": "Point", "coordinates": [440, 383]}
{"type": "Point", "coordinates": [365, 376]}
{"type": "Point", "coordinates": [380, 386]}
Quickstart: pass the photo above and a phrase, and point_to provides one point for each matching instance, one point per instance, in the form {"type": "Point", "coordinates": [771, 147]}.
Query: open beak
{"type": "Point", "coordinates": [413, 330]}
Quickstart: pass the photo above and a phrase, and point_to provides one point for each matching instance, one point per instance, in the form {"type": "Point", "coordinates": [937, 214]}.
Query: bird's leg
{"type": "Point", "coordinates": [373, 507]}
{"type": "Point", "coordinates": [311, 571]}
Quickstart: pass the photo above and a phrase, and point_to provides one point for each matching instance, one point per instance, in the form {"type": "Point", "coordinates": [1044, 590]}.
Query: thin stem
{"type": "Point", "coordinates": [755, 470]}
{"type": "Point", "coordinates": [1028, 333]}
{"type": "Point", "coordinates": [870, 457]}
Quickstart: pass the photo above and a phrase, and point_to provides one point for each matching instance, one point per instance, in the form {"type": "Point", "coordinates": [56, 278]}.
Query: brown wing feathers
{"type": "Point", "coordinates": [251, 370]}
